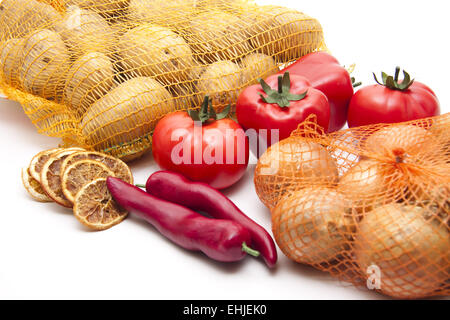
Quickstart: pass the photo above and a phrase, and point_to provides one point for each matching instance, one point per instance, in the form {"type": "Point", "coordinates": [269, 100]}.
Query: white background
{"type": "Point", "coordinates": [45, 253]}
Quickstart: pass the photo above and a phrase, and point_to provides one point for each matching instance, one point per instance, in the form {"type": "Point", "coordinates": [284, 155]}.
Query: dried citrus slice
{"type": "Point", "coordinates": [80, 173]}
{"type": "Point", "coordinates": [38, 161]}
{"type": "Point", "coordinates": [120, 168]}
{"type": "Point", "coordinates": [33, 187]}
{"type": "Point", "coordinates": [95, 208]}
{"type": "Point", "coordinates": [51, 176]}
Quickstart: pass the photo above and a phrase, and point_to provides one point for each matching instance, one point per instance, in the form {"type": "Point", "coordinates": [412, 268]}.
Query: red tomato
{"type": "Point", "coordinates": [392, 101]}
{"type": "Point", "coordinates": [327, 75]}
{"type": "Point", "coordinates": [215, 152]}
{"type": "Point", "coordinates": [261, 107]}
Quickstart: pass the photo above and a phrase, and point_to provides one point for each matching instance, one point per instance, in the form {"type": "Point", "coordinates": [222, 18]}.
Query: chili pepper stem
{"type": "Point", "coordinates": [250, 251]}
{"type": "Point", "coordinates": [140, 186]}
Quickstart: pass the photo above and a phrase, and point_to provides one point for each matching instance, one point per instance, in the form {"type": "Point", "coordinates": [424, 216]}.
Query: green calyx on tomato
{"type": "Point", "coordinates": [282, 96]}
{"type": "Point", "coordinates": [207, 112]}
{"type": "Point", "coordinates": [269, 123]}
{"type": "Point", "coordinates": [392, 82]}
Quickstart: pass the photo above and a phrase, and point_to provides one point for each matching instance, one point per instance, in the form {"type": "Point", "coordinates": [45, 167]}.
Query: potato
{"type": "Point", "coordinates": [185, 96]}
{"type": "Point", "coordinates": [221, 81]}
{"type": "Point", "coordinates": [85, 31]}
{"type": "Point", "coordinates": [18, 18]}
{"type": "Point", "coordinates": [117, 122]}
{"type": "Point", "coordinates": [89, 79]}
{"type": "Point", "coordinates": [282, 33]}
{"type": "Point", "coordinates": [314, 226]}
{"type": "Point", "coordinates": [216, 35]}
{"type": "Point", "coordinates": [196, 70]}
{"type": "Point", "coordinates": [154, 51]}
{"type": "Point", "coordinates": [257, 66]}
{"type": "Point", "coordinates": [410, 251]}
{"type": "Point", "coordinates": [45, 64]}
{"type": "Point", "coordinates": [107, 8]}
{"type": "Point", "coordinates": [291, 165]}
{"type": "Point", "coordinates": [227, 5]}
{"type": "Point", "coordinates": [173, 14]}
{"type": "Point", "coordinates": [11, 60]}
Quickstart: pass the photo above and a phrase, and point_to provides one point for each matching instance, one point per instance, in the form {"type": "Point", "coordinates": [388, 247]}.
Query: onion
{"type": "Point", "coordinates": [412, 160]}
{"type": "Point", "coordinates": [401, 141]}
{"type": "Point", "coordinates": [291, 165]}
{"type": "Point", "coordinates": [442, 134]}
{"type": "Point", "coordinates": [311, 226]}
{"type": "Point", "coordinates": [411, 252]}
{"type": "Point", "coordinates": [433, 193]}
{"type": "Point", "coordinates": [368, 184]}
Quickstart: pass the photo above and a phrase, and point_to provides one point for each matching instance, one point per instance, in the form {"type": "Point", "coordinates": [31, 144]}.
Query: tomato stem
{"type": "Point", "coordinates": [397, 73]}
{"type": "Point", "coordinates": [280, 84]}
{"type": "Point", "coordinates": [207, 112]}
{"type": "Point", "coordinates": [355, 84]}
{"type": "Point", "coordinates": [282, 96]}
{"type": "Point", "coordinates": [392, 82]}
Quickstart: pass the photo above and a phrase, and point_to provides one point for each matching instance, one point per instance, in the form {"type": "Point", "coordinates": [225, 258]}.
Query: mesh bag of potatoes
{"type": "Point", "coordinates": [100, 74]}
{"type": "Point", "coordinates": [369, 205]}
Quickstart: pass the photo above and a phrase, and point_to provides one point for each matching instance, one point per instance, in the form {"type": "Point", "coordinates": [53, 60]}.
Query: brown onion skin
{"type": "Point", "coordinates": [314, 226]}
{"type": "Point", "coordinates": [290, 165]}
{"type": "Point", "coordinates": [410, 251]}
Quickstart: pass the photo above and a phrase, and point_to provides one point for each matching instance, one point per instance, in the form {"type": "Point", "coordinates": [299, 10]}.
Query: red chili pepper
{"type": "Point", "coordinates": [326, 74]}
{"type": "Point", "coordinates": [221, 240]}
{"type": "Point", "coordinates": [199, 196]}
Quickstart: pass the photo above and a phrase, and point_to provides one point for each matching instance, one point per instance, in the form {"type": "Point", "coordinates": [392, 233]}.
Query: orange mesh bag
{"type": "Point", "coordinates": [368, 205]}
{"type": "Point", "coordinates": [100, 74]}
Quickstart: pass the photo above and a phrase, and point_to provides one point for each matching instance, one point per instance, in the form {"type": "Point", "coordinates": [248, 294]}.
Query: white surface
{"type": "Point", "coordinates": [45, 253]}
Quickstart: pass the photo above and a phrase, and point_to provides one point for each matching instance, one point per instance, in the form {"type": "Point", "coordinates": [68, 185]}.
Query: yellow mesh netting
{"type": "Point", "coordinates": [101, 73]}
{"type": "Point", "coordinates": [369, 205]}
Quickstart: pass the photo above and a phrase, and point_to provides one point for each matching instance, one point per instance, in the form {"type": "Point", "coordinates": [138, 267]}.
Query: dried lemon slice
{"type": "Point", "coordinates": [120, 168]}
{"type": "Point", "coordinates": [80, 173]}
{"type": "Point", "coordinates": [51, 176]}
{"type": "Point", "coordinates": [95, 207]}
{"type": "Point", "coordinates": [33, 187]}
{"type": "Point", "coordinates": [38, 161]}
